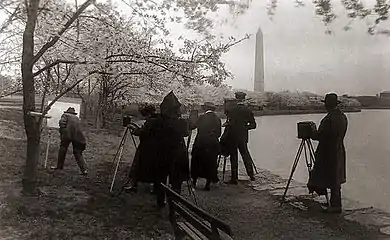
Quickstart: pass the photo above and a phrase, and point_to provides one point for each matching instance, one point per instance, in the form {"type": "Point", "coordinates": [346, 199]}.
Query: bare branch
{"type": "Point", "coordinates": [56, 62]}
{"type": "Point", "coordinates": [10, 19]}
{"type": "Point", "coordinates": [10, 93]}
{"type": "Point", "coordinates": [64, 92]}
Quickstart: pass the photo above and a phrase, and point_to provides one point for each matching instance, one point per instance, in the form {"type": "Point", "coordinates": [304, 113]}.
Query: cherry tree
{"type": "Point", "coordinates": [50, 35]}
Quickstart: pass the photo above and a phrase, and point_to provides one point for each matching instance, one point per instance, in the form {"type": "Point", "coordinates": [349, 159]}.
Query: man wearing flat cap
{"type": "Point", "coordinates": [240, 120]}
{"type": "Point", "coordinates": [206, 146]}
{"type": "Point", "coordinates": [70, 130]}
{"type": "Point", "coordinates": [329, 170]}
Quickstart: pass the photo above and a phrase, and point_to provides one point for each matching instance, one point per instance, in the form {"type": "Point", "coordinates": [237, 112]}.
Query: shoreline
{"type": "Point", "coordinates": [292, 112]}
{"type": "Point", "coordinates": [299, 198]}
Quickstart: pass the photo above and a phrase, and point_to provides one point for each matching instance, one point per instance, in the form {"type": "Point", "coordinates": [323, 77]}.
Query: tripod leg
{"type": "Point", "coordinates": [308, 162]}
{"type": "Point", "coordinates": [219, 161]}
{"type": "Point", "coordinates": [117, 165]}
{"type": "Point", "coordinates": [191, 191]}
{"type": "Point", "coordinates": [295, 164]}
{"type": "Point", "coordinates": [224, 168]}
{"type": "Point", "coordinates": [311, 152]}
{"type": "Point", "coordinates": [132, 137]}
{"type": "Point", "coordinates": [254, 166]}
{"type": "Point", "coordinates": [123, 187]}
{"type": "Point", "coordinates": [120, 145]}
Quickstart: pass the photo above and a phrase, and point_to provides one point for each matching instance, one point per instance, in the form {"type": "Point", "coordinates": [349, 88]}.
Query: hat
{"type": "Point", "coordinates": [170, 104]}
{"type": "Point", "coordinates": [331, 99]}
{"type": "Point", "coordinates": [71, 110]}
{"type": "Point", "coordinates": [209, 105]}
{"type": "Point", "coordinates": [240, 95]}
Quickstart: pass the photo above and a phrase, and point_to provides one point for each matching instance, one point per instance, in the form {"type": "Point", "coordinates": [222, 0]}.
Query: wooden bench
{"type": "Point", "coordinates": [189, 220]}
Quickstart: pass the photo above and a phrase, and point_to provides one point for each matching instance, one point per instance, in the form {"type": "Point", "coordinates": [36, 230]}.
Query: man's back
{"type": "Point", "coordinates": [71, 128]}
{"type": "Point", "coordinates": [209, 126]}
{"type": "Point", "coordinates": [241, 119]}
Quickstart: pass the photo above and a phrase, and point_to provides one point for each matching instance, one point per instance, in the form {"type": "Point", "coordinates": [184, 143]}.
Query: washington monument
{"type": "Point", "coordinates": [259, 63]}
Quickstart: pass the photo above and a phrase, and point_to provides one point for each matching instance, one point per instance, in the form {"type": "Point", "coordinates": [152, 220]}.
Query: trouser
{"type": "Point", "coordinates": [77, 152]}
{"type": "Point", "coordinates": [246, 157]}
{"type": "Point", "coordinates": [335, 196]}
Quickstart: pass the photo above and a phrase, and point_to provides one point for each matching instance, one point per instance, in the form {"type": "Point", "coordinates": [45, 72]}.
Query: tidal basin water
{"type": "Point", "coordinates": [274, 145]}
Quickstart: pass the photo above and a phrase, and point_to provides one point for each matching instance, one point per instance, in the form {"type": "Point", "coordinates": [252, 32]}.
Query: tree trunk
{"type": "Point", "coordinates": [31, 124]}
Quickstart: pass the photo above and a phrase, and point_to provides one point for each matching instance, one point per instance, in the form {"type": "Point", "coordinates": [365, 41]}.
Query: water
{"type": "Point", "coordinates": [273, 146]}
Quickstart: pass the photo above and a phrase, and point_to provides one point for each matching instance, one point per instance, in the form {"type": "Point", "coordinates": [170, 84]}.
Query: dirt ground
{"type": "Point", "coordinates": [81, 207]}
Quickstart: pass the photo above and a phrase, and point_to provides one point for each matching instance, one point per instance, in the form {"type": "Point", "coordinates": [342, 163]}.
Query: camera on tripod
{"type": "Point", "coordinates": [306, 129]}
{"type": "Point", "coordinates": [126, 120]}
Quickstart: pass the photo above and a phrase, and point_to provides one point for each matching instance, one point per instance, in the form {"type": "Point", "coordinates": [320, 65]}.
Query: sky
{"type": "Point", "coordinates": [298, 55]}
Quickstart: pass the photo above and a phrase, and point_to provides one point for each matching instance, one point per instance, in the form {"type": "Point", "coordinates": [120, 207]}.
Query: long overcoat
{"type": "Point", "coordinates": [330, 157]}
{"type": "Point", "coordinates": [174, 160]}
{"type": "Point", "coordinates": [146, 160]}
{"type": "Point", "coordinates": [206, 147]}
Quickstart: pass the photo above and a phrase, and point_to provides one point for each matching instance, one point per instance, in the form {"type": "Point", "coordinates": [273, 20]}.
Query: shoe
{"type": "Point", "coordinates": [232, 182]}
{"type": "Point", "coordinates": [55, 168]}
{"type": "Point", "coordinates": [85, 172]}
{"type": "Point", "coordinates": [332, 210]}
{"type": "Point", "coordinates": [252, 178]}
{"type": "Point", "coordinates": [130, 189]}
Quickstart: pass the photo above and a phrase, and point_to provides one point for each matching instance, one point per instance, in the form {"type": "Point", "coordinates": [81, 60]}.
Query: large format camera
{"type": "Point", "coordinates": [306, 129]}
{"type": "Point", "coordinates": [126, 120]}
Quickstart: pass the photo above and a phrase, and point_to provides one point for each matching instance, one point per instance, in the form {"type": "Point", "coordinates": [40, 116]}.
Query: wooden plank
{"type": "Point", "coordinates": [200, 212]}
{"type": "Point", "coordinates": [192, 232]}
{"type": "Point", "coordinates": [206, 231]}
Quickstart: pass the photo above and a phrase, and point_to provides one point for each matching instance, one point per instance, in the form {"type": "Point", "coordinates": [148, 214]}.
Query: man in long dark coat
{"type": "Point", "coordinates": [240, 120]}
{"type": "Point", "coordinates": [70, 132]}
{"type": "Point", "coordinates": [329, 170]}
{"type": "Point", "coordinates": [174, 162]}
{"type": "Point", "coordinates": [144, 166]}
{"type": "Point", "coordinates": [206, 146]}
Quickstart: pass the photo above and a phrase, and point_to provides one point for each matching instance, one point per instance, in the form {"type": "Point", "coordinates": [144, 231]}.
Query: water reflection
{"type": "Point", "coordinates": [274, 144]}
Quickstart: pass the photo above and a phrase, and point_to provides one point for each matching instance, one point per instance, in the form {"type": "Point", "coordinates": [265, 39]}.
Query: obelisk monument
{"type": "Point", "coordinates": [259, 63]}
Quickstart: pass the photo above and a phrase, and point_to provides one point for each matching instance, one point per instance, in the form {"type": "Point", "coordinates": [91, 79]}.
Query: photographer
{"type": "Point", "coordinates": [206, 146]}
{"type": "Point", "coordinates": [70, 132]}
{"type": "Point", "coordinates": [329, 170]}
{"type": "Point", "coordinates": [144, 166]}
{"type": "Point", "coordinates": [173, 159]}
{"type": "Point", "coordinates": [240, 120]}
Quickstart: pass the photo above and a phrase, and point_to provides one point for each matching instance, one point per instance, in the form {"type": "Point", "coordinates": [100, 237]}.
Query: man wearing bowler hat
{"type": "Point", "coordinates": [240, 120]}
{"type": "Point", "coordinates": [329, 170]}
{"type": "Point", "coordinates": [70, 130]}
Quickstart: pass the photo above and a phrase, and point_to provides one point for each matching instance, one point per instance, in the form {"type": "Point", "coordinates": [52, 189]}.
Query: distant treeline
{"type": "Point", "coordinates": [373, 101]}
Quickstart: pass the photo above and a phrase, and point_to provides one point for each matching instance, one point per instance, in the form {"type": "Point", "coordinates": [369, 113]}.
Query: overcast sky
{"type": "Point", "coordinates": [300, 56]}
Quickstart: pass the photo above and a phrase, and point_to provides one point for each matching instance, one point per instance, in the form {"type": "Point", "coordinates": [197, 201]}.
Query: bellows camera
{"type": "Point", "coordinates": [126, 120]}
{"type": "Point", "coordinates": [306, 129]}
